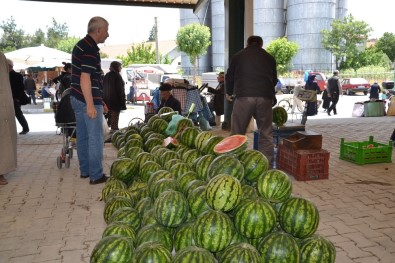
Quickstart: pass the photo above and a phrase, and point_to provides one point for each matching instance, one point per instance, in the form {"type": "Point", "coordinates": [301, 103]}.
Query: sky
{"type": "Point", "coordinates": [132, 24]}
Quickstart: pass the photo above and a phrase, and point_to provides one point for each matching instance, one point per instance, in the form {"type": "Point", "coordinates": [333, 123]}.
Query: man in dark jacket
{"type": "Point", "coordinates": [251, 78]}
{"type": "Point", "coordinates": [18, 90]}
{"type": "Point", "coordinates": [167, 100]}
{"type": "Point", "coordinates": [114, 94]}
{"type": "Point", "coordinates": [64, 79]}
{"type": "Point", "coordinates": [217, 103]}
{"type": "Point", "coordinates": [334, 91]}
{"type": "Point", "coordinates": [374, 92]}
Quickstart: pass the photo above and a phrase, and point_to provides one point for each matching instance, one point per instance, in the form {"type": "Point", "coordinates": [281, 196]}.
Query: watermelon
{"type": "Point", "coordinates": [120, 192]}
{"type": "Point", "coordinates": [179, 169]}
{"type": "Point", "coordinates": [190, 155]}
{"type": "Point", "coordinates": [148, 218]}
{"type": "Point", "coordinates": [161, 186]}
{"type": "Point", "coordinates": [144, 204]}
{"type": "Point", "coordinates": [112, 249]}
{"type": "Point", "coordinates": [255, 218]}
{"type": "Point", "coordinates": [275, 186]}
{"type": "Point", "coordinates": [188, 136]}
{"type": "Point", "coordinates": [168, 155]}
{"type": "Point", "coordinates": [240, 253]}
{"type": "Point", "coordinates": [280, 116]}
{"type": "Point", "coordinates": [193, 185]}
{"type": "Point", "coordinates": [279, 247]}
{"type": "Point", "coordinates": [124, 169]}
{"type": "Point", "coordinates": [226, 164]}
{"type": "Point", "coordinates": [185, 179]}
{"type": "Point", "coordinates": [201, 139]}
{"type": "Point", "coordinates": [151, 143]}
{"type": "Point", "coordinates": [171, 208]}
{"type": "Point", "coordinates": [213, 230]}
{"type": "Point", "coordinates": [156, 176]}
{"type": "Point", "coordinates": [144, 157]}
{"type": "Point", "coordinates": [170, 163]}
{"type": "Point", "coordinates": [147, 169]}
{"type": "Point", "coordinates": [127, 215]}
{"type": "Point", "coordinates": [193, 254]}
{"type": "Point", "coordinates": [115, 136]}
{"type": "Point", "coordinates": [155, 233]}
{"type": "Point", "coordinates": [156, 135]}
{"type": "Point", "coordinates": [234, 144]}
{"type": "Point", "coordinates": [168, 115]}
{"type": "Point", "coordinates": [150, 122]}
{"type": "Point", "coordinates": [254, 163]}
{"type": "Point", "coordinates": [159, 125]}
{"type": "Point", "coordinates": [138, 189]}
{"type": "Point", "coordinates": [223, 192]}
{"type": "Point", "coordinates": [299, 217]}
{"type": "Point", "coordinates": [202, 166]}
{"type": "Point", "coordinates": [151, 252]}
{"type": "Point", "coordinates": [249, 192]}
{"type": "Point", "coordinates": [121, 229]}
{"type": "Point", "coordinates": [183, 236]}
{"type": "Point", "coordinates": [133, 143]}
{"type": "Point", "coordinates": [110, 186]}
{"type": "Point", "coordinates": [197, 201]}
{"type": "Point", "coordinates": [164, 110]}
{"type": "Point", "coordinates": [115, 203]}
{"type": "Point", "coordinates": [208, 146]}
{"type": "Point", "coordinates": [317, 249]}
{"type": "Point", "coordinates": [133, 136]}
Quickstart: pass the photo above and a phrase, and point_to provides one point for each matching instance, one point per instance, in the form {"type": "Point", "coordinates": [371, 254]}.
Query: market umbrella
{"type": "Point", "coordinates": [48, 65]}
{"type": "Point", "coordinates": [33, 55]}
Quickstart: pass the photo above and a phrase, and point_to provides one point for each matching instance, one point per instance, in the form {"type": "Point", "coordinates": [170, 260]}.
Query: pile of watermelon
{"type": "Point", "coordinates": [202, 199]}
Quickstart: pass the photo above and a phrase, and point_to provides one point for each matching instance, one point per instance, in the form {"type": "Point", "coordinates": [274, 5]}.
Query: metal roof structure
{"type": "Point", "coordinates": [187, 4]}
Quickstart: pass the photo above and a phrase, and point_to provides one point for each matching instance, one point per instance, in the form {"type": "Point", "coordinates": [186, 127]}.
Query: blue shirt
{"type": "Point", "coordinates": [86, 59]}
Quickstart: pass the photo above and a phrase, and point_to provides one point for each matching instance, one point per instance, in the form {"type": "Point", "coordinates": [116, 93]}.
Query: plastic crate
{"type": "Point", "coordinates": [366, 152]}
{"type": "Point", "coordinates": [303, 165]}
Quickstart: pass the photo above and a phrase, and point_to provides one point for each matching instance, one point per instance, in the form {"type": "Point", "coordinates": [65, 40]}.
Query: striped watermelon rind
{"type": "Point", "coordinates": [223, 192]}
{"type": "Point", "coordinates": [193, 254]}
{"type": "Point", "coordinates": [279, 247]}
{"type": "Point", "coordinates": [151, 252]}
{"type": "Point", "coordinates": [275, 185]}
{"type": "Point", "coordinates": [112, 249]}
{"type": "Point", "coordinates": [171, 208]}
{"type": "Point", "coordinates": [243, 252]}
{"type": "Point", "coordinates": [317, 249]}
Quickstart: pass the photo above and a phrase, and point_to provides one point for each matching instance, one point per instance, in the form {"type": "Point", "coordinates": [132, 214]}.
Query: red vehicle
{"type": "Point", "coordinates": [320, 78]}
{"type": "Point", "coordinates": [353, 85]}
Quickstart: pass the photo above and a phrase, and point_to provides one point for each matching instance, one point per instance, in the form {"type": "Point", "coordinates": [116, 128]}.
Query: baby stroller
{"type": "Point", "coordinates": [65, 121]}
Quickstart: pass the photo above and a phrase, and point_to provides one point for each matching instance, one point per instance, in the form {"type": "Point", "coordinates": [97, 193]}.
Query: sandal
{"type": "Point", "coordinates": [3, 181]}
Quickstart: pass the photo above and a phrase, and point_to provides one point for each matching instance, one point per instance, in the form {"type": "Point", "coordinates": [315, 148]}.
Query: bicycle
{"type": "Point", "coordinates": [287, 104]}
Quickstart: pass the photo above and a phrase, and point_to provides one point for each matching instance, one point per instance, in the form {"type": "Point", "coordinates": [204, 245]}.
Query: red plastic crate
{"type": "Point", "coordinates": [303, 165]}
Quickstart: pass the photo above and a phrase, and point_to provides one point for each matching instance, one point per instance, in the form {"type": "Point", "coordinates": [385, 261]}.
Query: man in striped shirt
{"type": "Point", "coordinates": [86, 100]}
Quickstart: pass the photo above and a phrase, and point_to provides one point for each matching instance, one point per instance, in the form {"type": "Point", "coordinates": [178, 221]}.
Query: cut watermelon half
{"type": "Point", "coordinates": [234, 144]}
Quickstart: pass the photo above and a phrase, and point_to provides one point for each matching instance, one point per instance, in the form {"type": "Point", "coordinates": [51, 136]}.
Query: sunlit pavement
{"type": "Point", "coordinates": [51, 215]}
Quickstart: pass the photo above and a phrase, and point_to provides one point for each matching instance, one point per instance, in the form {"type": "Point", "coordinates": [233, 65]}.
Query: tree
{"type": "Point", "coordinates": [37, 39]}
{"type": "Point", "coordinates": [372, 56]}
{"type": "Point", "coordinates": [344, 38]}
{"type": "Point", "coordinates": [283, 51]}
{"type": "Point", "coordinates": [387, 44]}
{"type": "Point", "coordinates": [56, 33]}
{"type": "Point", "coordinates": [67, 44]}
{"type": "Point", "coordinates": [12, 38]}
{"type": "Point", "coordinates": [152, 34]}
{"type": "Point", "coordinates": [193, 39]}
{"type": "Point", "coordinates": [142, 54]}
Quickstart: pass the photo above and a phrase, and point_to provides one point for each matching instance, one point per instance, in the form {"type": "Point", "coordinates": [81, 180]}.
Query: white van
{"type": "Point", "coordinates": [135, 82]}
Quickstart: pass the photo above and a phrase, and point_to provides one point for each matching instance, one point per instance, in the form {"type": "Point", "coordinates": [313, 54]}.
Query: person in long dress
{"type": "Point", "coordinates": [312, 106]}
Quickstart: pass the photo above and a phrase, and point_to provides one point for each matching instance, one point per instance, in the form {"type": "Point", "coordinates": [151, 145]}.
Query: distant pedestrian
{"type": "Point", "coordinates": [8, 156]}
{"type": "Point", "coordinates": [334, 91]}
{"type": "Point", "coordinates": [374, 92]}
{"type": "Point", "coordinates": [30, 87]}
{"type": "Point", "coordinates": [114, 94]}
{"type": "Point", "coordinates": [312, 106]}
{"type": "Point", "coordinates": [251, 78]}
{"type": "Point", "coordinates": [87, 102]}
{"type": "Point", "coordinates": [296, 102]}
{"type": "Point", "coordinates": [326, 100]}
{"type": "Point", "coordinates": [18, 94]}
{"type": "Point", "coordinates": [218, 100]}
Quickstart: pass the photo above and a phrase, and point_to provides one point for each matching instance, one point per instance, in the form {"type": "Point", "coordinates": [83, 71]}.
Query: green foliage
{"type": "Point", "coordinates": [67, 44]}
{"type": "Point", "coordinates": [343, 40]}
{"type": "Point", "coordinates": [152, 34]}
{"type": "Point", "coordinates": [387, 44]}
{"type": "Point", "coordinates": [283, 51]}
{"type": "Point", "coordinates": [193, 39]}
{"type": "Point", "coordinates": [142, 53]}
{"type": "Point", "coordinates": [56, 33]}
{"type": "Point", "coordinates": [370, 73]}
{"type": "Point", "coordinates": [12, 38]}
{"type": "Point", "coordinates": [372, 57]}
{"type": "Point", "coordinates": [37, 39]}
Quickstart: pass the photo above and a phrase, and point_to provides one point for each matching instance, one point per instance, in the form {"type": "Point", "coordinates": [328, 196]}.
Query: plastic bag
{"type": "Point", "coordinates": [171, 129]}
{"type": "Point", "coordinates": [204, 125]}
{"type": "Point", "coordinates": [106, 129]}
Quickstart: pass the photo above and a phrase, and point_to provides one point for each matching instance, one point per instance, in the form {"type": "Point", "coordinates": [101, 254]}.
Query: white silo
{"type": "Point", "coordinates": [218, 34]}
{"type": "Point", "coordinates": [269, 19]}
{"type": "Point", "coordinates": [341, 9]}
{"type": "Point", "coordinates": [306, 19]}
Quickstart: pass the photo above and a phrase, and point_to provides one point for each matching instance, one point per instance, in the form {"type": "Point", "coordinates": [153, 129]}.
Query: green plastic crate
{"type": "Point", "coordinates": [366, 152]}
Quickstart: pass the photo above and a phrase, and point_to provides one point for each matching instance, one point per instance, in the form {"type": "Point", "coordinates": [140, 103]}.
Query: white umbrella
{"type": "Point", "coordinates": [34, 55]}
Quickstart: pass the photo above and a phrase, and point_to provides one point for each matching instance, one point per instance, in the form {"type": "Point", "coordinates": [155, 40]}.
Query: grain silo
{"type": "Point", "coordinates": [306, 19]}
{"type": "Point", "coordinates": [269, 19]}
{"type": "Point", "coordinates": [218, 34]}
{"type": "Point", "coordinates": [341, 9]}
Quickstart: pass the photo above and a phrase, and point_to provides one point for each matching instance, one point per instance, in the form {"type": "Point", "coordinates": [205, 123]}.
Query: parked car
{"type": "Point", "coordinates": [353, 85]}
{"type": "Point", "coordinates": [389, 87]}
{"type": "Point", "coordinates": [320, 78]}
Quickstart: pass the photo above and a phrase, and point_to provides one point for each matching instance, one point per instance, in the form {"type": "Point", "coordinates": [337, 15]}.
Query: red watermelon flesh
{"type": "Point", "coordinates": [231, 144]}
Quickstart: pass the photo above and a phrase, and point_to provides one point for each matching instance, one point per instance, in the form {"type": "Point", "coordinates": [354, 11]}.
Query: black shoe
{"type": "Point", "coordinates": [335, 113]}
{"type": "Point", "coordinates": [103, 179]}
{"type": "Point", "coordinates": [83, 176]}
{"type": "Point", "coordinates": [24, 132]}
{"type": "Point", "coordinates": [329, 114]}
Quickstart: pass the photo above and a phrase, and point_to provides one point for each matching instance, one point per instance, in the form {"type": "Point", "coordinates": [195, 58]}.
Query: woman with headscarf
{"type": "Point", "coordinates": [114, 94]}
{"type": "Point", "coordinates": [312, 108]}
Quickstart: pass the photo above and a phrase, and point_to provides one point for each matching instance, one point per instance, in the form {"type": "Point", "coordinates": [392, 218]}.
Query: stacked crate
{"type": "Point", "coordinates": [302, 156]}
